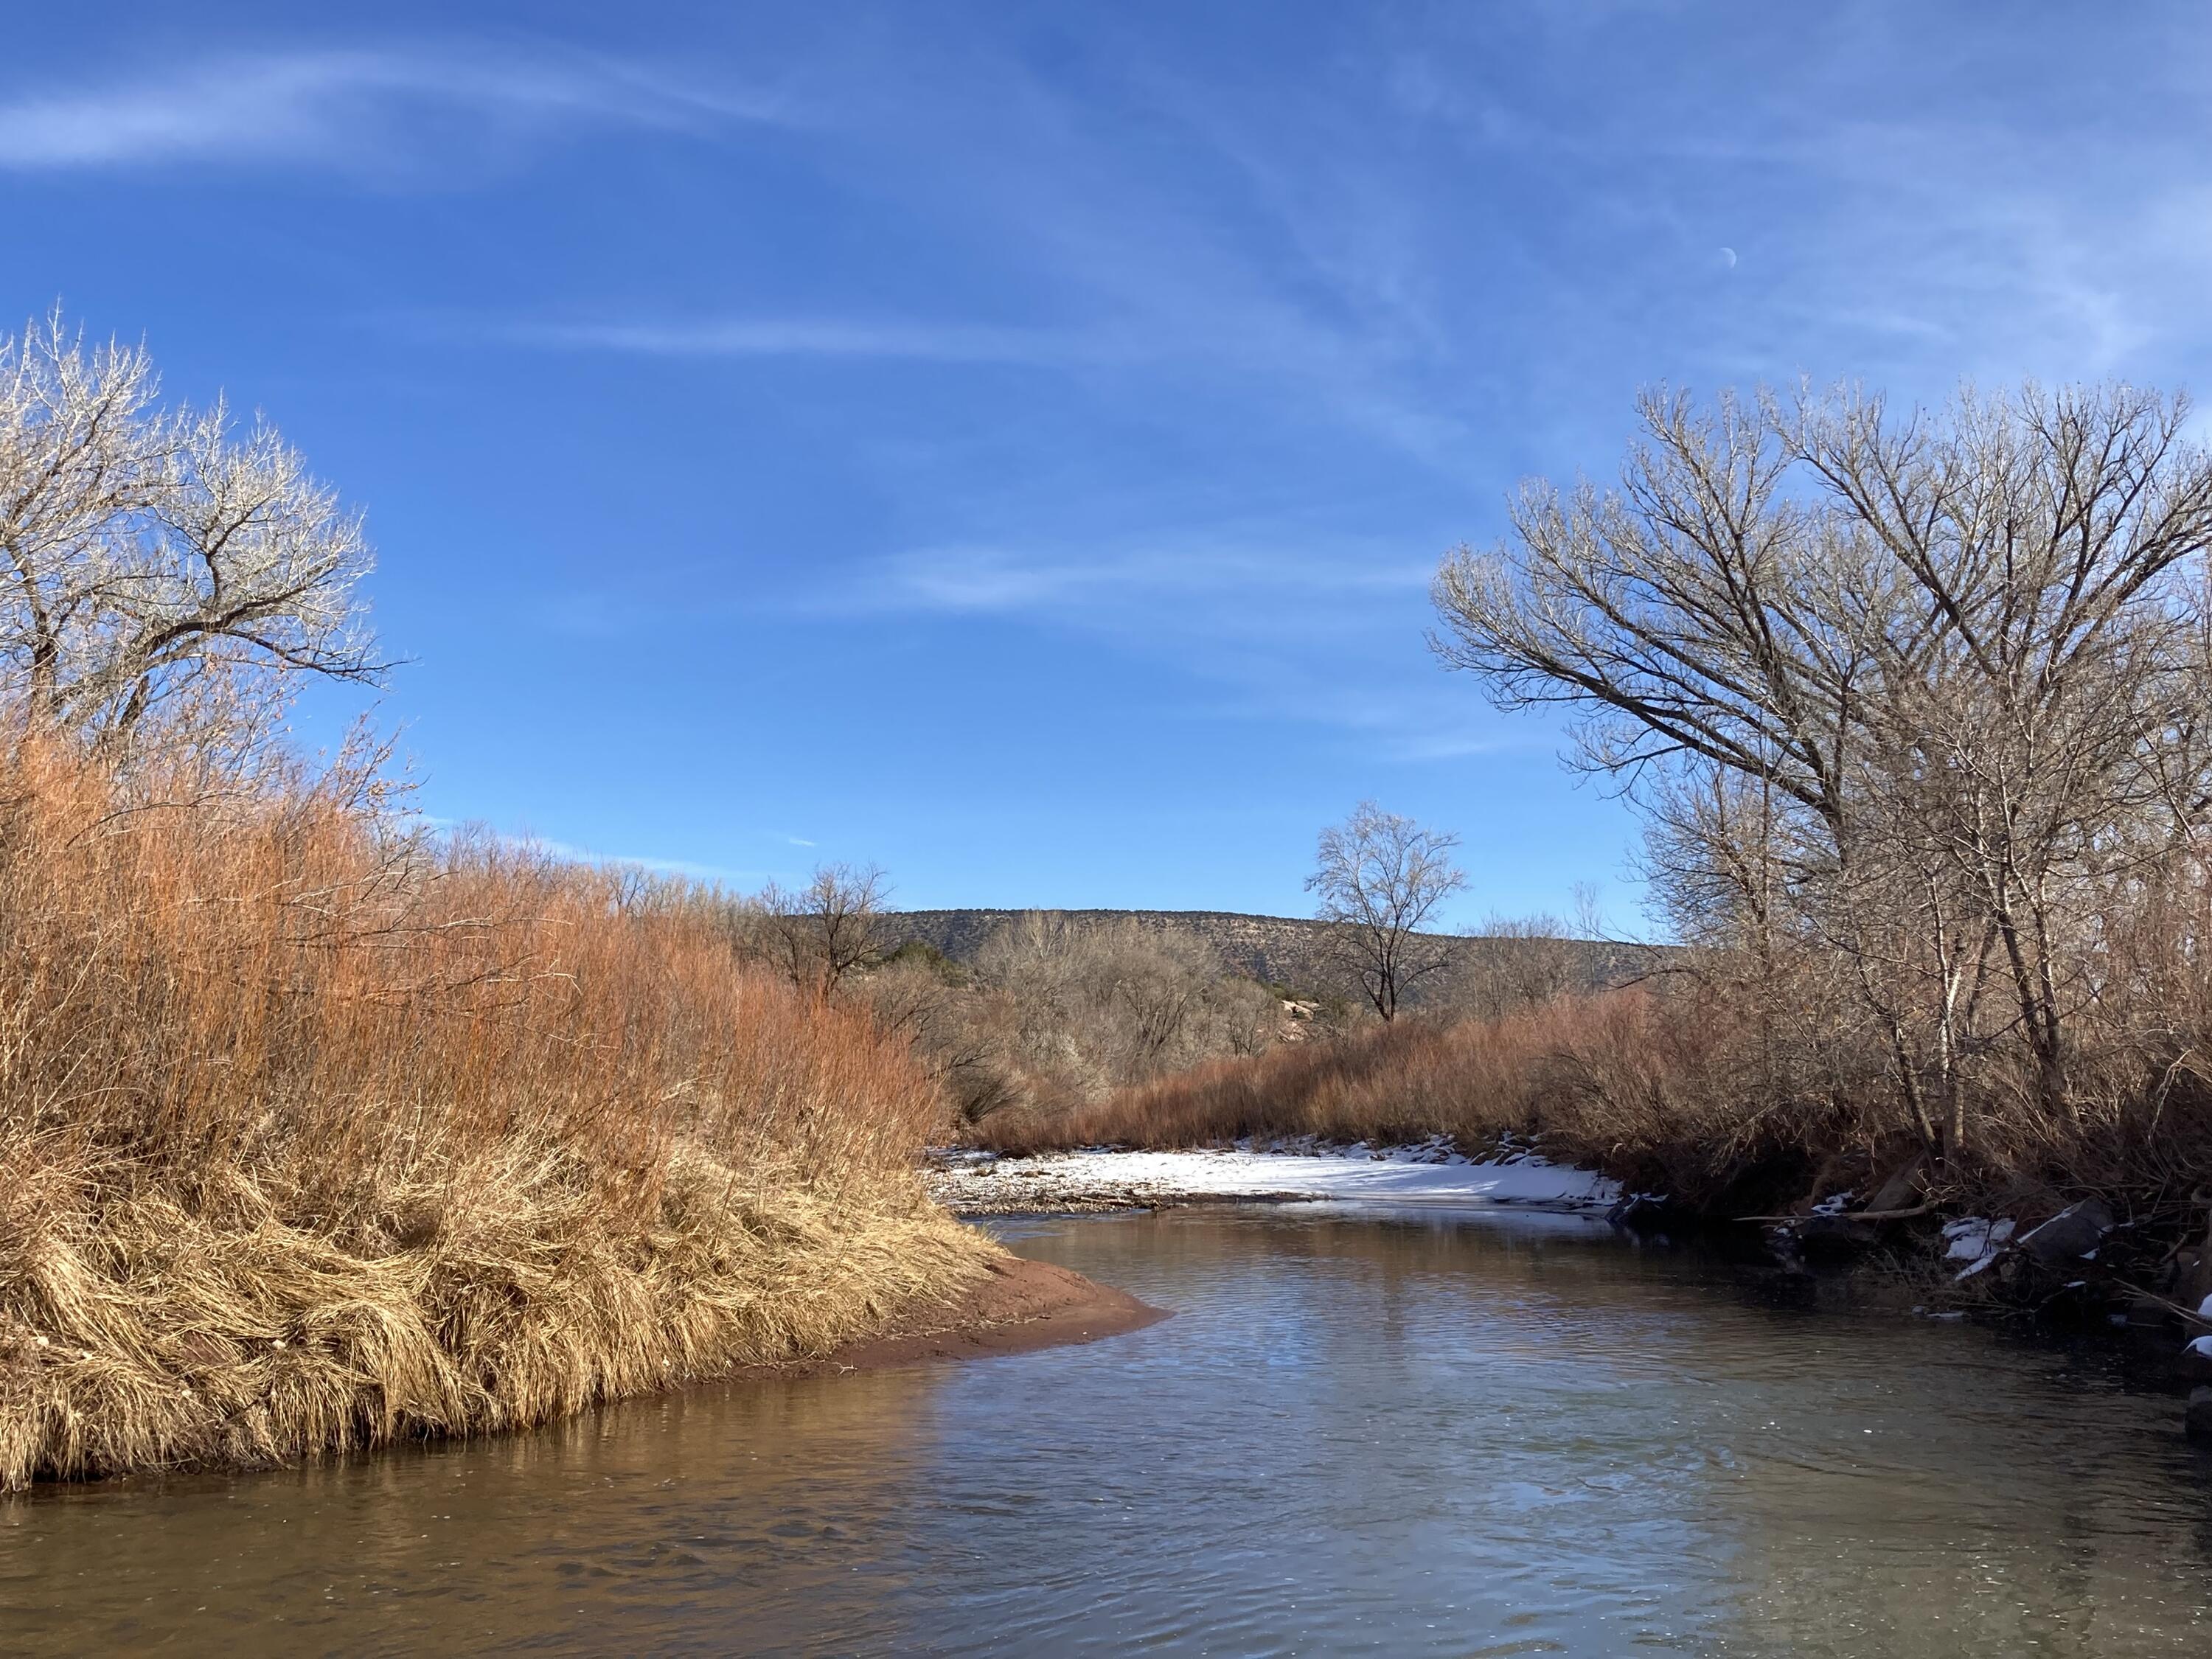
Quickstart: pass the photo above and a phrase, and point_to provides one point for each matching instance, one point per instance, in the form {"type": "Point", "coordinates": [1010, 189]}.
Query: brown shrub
{"type": "Point", "coordinates": [1691, 1087]}
{"type": "Point", "coordinates": [1580, 1068]}
{"type": "Point", "coordinates": [313, 1134]}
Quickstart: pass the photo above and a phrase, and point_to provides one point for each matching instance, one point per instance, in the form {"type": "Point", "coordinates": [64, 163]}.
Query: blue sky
{"type": "Point", "coordinates": [1012, 443]}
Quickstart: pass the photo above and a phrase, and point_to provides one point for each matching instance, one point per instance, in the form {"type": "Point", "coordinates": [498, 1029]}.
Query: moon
{"type": "Point", "coordinates": [1728, 257]}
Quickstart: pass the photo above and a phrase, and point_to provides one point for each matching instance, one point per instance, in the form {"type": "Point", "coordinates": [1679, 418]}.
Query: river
{"type": "Point", "coordinates": [1410, 1433]}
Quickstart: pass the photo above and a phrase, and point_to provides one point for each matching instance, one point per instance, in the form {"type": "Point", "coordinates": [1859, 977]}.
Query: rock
{"type": "Point", "coordinates": [2148, 1313]}
{"type": "Point", "coordinates": [2195, 1365]}
{"type": "Point", "coordinates": [2192, 1278]}
{"type": "Point", "coordinates": [1833, 1237]}
{"type": "Point", "coordinates": [2197, 1420]}
{"type": "Point", "coordinates": [1896, 1190]}
{"type": "Point", "coordinates": [1640, 1212]}
{"type": "Point", "coordinates": [2073, 1307]}
{"type": "Point", "coordinates": [2070, 1235]}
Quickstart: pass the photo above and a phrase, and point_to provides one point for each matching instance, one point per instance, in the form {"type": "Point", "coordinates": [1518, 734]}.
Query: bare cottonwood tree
{"type": "Point", "coordinates": [1912, 689]}
{"type": "Point", "coordinates": [159, 563]}
{"type": "Point", "coordinates": [819, 933]}
{"type": "Point", "coordinates": [1380, 877]}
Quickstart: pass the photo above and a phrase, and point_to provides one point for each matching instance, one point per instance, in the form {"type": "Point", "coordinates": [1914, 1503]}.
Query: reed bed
{"type": "Point", "coordinates": [1680, 1089]}
{"type": "Point", "coordinates": [315, 1135]}
{"type": "Point", "coordinates": [1593, 1073]}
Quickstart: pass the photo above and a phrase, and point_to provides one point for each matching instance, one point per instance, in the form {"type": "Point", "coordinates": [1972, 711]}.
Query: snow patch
{"type": "Point", "coordinates": [1420, 1174]}
{"type": "Point", "coordinates": [1972, 1235]}
{"type": "Point", "coordinates": [1975, 1240]}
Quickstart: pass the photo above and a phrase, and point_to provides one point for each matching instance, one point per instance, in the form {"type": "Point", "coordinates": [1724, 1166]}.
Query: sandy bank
{"type": "Point", "coordinates": [1064, 1181]}
{"type": "Point", "coordinates": [1017, 1305]}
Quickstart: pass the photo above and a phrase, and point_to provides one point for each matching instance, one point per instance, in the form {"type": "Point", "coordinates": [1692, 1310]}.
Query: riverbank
{"type": "Point", "coordinates": [253, 1340]}
{"type": "Point", "coordinates": [315, 1138]}
{"type": "Point", "coordinates": [2078, 1266]}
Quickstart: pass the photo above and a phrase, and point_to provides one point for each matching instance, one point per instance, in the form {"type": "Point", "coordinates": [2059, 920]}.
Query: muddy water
{"type": "Point", "coordinates": [1427, 1434]}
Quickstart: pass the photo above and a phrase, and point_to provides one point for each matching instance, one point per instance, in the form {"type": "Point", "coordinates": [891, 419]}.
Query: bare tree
{"type": "Point", "coordinates": [159, 562]}
{"type": "Point", "coordinates": [1084, 1006]}
{"type": "Point", "coordinates": [828, 929]}
{"type": "Point", "coordinates": [1922, 687]}
{"type": "Point", "coordinates": [1511, 962]}
{"type": "Point", "coordinates": [1380, 877]}
{"type": "Point", "coordinates": [933, 1003]}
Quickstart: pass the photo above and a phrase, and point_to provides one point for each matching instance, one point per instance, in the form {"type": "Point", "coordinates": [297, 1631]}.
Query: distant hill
{"type": "Point", "coordinates": [1293, 951]}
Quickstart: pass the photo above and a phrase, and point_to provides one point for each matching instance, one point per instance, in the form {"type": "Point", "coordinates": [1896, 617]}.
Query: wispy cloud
{"type": "Point", "coordinates": [978, 579]}
{"type": "Point", "coordinates": [1332, 374]}
{"type": "Point", "coordinates": [1138, 278]}
{"type": "Point", "coordinates": [774, 336]}
{"type": "Point", "coordinates": [659, 866]}
{"type": "Point", "coordinates": [568, 851]}
{"type": "Point", "coordinates": [1308, 631]}
{"type": "Point", "coordinates": [358, 109]}
{"type": "Point", "coordinates": [1284, 591]}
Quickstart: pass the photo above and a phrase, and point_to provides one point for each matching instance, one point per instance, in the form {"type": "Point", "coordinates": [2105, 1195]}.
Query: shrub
{"type": "Point", "coordinates": [314, 1133]}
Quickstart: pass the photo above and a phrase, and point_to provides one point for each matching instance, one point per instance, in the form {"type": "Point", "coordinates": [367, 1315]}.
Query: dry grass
{"type": "Point", "coordinates": [311, 1137]}
{"type": "Point", "coordinates": [1598, 1074]}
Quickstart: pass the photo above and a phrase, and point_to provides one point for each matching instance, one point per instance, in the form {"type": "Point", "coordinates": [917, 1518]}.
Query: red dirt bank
{"type": "Point", "coordinates": [1017, 1306]}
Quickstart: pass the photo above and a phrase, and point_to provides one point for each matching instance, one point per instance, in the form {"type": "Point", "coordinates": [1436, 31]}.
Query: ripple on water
{"type": "Point", "coordinates": [1425, 1433]}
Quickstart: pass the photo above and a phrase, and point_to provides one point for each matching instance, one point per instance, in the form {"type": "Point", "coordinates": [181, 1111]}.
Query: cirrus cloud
{"type": "Point", "coordinates": [366, 109]}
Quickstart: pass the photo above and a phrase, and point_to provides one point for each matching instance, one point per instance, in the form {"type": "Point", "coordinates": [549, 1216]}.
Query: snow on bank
{"type": "Point", "coordinates": [1975, 1240]}
{"type": "Point", "coordinates": [1092, 1179]}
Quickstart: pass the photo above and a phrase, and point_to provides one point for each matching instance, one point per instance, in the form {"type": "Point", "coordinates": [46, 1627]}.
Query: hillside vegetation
{"type": "Point", "coordinates": [1300, 956]}
{"type": "Point", "coordinates": [1033, 1019]}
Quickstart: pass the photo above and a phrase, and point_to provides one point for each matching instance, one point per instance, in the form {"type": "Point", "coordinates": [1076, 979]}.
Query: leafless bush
{"type": "Point", "coordinates": [1514, 962]}
{"type": "Point", "coordinates": [938, 1009]}
{"type": "Point", "coordinates": [1120, 1001]}
{"type": "Point", "coordinates": [1056, 1013]}
{"type": "Point", "coordinates": [1597, 1075]}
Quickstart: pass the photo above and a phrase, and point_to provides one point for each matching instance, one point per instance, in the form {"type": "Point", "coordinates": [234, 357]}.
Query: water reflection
{"type": "Point", "coordinates": [1431, 1433]}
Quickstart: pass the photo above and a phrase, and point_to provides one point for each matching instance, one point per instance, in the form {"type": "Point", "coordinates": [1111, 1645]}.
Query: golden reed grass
{"type": "Point", "coordinates": [1630, 1080]}
{"type": "Point", "coordinates": [1415, 1078]}
{"type": "Point", "coordinates": [313, 1136]}
{"type": "Point", "coordinates": [1688, 1091]}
